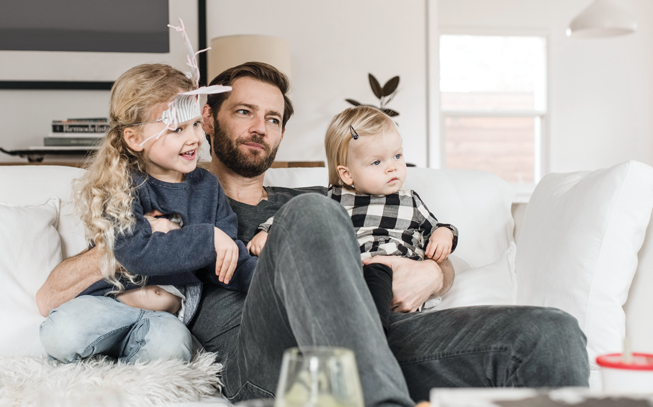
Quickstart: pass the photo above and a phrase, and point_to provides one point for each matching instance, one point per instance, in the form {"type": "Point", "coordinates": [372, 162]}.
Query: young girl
{"type": "Point", "coordinates": [366, 174]}
{"type": "Point", "coordinates": [150, 291]}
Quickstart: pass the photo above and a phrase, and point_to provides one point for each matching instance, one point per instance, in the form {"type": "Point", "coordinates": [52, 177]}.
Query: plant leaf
{"type": "Point", "coordinates": [390, 112]}
{"type": "Point", "coordinates": [376, 88]}
{"type": "Point", "coordinates": [353, 102]}
{"type": "Point", "coordinates": [390, 86]}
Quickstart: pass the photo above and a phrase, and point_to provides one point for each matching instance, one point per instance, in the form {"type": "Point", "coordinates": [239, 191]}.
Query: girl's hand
{"type": "Point", "coordinates": [227, 256]}
{"type": "Point", "coordinates": [439, 247]}
{"type": "Point", "coordinates": [162, 225]}
{"type": "Point", "coordinates": [256, 244]}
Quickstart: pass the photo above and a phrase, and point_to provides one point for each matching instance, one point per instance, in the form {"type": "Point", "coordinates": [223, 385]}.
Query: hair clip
{"type": "Point", "coordinates": [353, 132]}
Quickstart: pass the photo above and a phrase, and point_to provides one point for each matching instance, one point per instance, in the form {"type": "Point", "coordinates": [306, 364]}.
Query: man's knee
{"type": "Point", "coordinates": [559, 347]}
{"type": "Point", "coordinates": [312, 209]}
{"type": "Point", "coordinates": [560, 327]}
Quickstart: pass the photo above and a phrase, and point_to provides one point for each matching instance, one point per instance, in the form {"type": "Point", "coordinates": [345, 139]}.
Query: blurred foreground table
{"type": "Point", "coordinates": [564, 397]}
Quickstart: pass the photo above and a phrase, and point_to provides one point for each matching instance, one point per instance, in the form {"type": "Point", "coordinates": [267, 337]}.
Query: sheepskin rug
{"type": "Point", "coordinates": [101, 381]}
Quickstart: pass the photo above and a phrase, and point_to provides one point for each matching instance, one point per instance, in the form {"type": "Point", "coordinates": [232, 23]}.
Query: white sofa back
{"type": "Point", "coordinates": [477, 202]}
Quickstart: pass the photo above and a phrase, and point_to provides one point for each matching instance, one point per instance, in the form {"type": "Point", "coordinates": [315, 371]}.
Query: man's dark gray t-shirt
{"type": "Point", "coordinates": [250, 217]}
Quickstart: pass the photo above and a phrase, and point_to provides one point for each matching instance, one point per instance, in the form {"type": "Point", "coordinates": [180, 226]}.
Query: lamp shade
{"type": "Point", "coordinates": [602, 19]}
{"type": "Point", "coordinates": [229, 51]}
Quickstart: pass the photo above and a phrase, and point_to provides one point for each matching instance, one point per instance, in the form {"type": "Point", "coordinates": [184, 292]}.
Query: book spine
{"type": "Point", "coordinates": [71, 141]}
{"type": "Point", "coordinates": [69, 135]}
{"type": "Point", "coordinates": [81, 128]}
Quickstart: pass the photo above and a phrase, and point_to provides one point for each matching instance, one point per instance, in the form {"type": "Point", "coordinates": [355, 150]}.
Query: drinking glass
{"type": "Point", "coordinates": [319, 377]}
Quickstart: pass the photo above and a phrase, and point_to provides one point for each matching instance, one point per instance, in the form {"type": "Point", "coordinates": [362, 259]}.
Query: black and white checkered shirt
{"type": "Point", "coordinates": [398, 224]}
{"type": "Point", "coordinates": [388, 225]}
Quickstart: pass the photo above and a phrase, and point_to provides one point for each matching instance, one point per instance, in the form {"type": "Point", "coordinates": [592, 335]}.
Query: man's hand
{"type": "Point", "coordinates": [414, 282]}
{"type": "Point", "coordinates": [440, 244]}
{"type": "Point", "coordinates": [227, 256]}
{"type": "Point", "coordinates": [162, 225]}
{"type": "Point", "coordinates": [256, 244]}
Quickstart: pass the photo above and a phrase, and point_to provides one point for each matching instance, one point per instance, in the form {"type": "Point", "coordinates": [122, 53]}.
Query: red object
{"type": "Point", "coordinates": [641, 361]}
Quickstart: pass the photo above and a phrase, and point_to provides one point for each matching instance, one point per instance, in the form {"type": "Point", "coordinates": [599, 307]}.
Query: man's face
{"type": "Point", "coordinates": [247, 128]}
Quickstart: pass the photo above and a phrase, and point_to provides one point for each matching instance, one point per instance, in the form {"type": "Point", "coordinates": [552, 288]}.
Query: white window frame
{"type": "Point", "coordinates": [436, 116]}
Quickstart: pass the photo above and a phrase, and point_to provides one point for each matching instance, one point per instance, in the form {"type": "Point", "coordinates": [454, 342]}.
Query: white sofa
{"type": "Point", "coordinates": [580, 240]}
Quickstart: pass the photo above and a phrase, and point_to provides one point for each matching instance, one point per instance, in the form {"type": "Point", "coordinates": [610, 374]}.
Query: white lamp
{"type": "Point", "coordinates": [229, 51]}
{"type": "Point", "coordinates": [602, 19]}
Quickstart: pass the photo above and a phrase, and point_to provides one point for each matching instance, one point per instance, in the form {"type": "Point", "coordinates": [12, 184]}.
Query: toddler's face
{"type": "Point", "coordinates": [376, 164]}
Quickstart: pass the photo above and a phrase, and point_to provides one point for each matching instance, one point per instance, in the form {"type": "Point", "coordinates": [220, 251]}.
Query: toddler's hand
{"type": "Point", "coordinates": [227, 256]}
{"type": "Point", "coordinates": [256, 244]}
{"type": "Point", "coordinates": [439, 247]}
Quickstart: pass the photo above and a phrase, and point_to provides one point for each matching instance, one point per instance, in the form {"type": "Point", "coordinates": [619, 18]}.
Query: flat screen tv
{"type": "Point", "coordinates": [84, 25]}
{"type": "Point", "coordinates": [88, 44]}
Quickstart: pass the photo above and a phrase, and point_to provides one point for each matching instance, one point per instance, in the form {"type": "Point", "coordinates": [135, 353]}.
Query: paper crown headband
{"type": "Point", "coordinates": [185, 106]}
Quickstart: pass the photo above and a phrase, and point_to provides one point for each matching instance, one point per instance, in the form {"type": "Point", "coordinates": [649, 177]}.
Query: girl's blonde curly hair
{"type": "Point", "coordinates": [103, 196]}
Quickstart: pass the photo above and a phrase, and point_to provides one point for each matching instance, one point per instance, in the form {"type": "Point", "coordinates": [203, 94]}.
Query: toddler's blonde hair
{"type": "Point", "coordinates": [367, 121]}
{"type": "Point", "coordinates": [103, 196]}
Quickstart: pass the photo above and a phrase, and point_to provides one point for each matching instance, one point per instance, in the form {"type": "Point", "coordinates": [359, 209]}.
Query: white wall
{"type": "Point", "coordinates": [334, 45]}
{"type": "Point", "coordinates": [600, 90]}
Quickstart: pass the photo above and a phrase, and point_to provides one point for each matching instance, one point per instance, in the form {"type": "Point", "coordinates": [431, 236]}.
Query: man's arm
{"type": "Point", "coordinates": [68, 279]}
{"type": "Point", "coordinates": [75, 274]}
{"type": "Point", "coordinates": [414, 282]}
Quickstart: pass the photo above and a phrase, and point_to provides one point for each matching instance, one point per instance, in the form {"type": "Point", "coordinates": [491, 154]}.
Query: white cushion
{"type": "Point", "coordinates": [29, 249]}
{"type": "Point", "coordinates": [578, 247]}
{"type": "Point", "coordinates": [492, 284]}
{"type": "Point", "coordinates": [476, 202]}
{"type": "Point", "coordinates": [35, 184]}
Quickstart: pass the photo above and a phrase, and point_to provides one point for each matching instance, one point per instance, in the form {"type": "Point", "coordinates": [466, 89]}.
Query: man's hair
{"type": "Point", "coordinates": [366, 121]}
{"type": "Point", "coordinates": [257, 70]}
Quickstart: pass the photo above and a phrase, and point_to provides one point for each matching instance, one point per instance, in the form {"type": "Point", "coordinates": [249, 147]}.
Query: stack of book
{"type": "Point", "coordinates": [77, 132]}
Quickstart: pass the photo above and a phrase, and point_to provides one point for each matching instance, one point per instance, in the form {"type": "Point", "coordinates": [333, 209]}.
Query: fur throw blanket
{"type": "Point", "coordinates": [101, 381]}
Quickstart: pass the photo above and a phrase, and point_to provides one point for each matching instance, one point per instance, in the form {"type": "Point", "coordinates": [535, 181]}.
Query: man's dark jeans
{"type": "Point", "coordinates": [308, 290]}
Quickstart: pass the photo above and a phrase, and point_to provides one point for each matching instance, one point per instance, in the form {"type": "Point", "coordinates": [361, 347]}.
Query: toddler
{"type": "Point", "coordinates": [366, 173]}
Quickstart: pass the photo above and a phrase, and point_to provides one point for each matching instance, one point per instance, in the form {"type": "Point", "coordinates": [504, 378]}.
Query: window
{"type": "Point", "coordinates": [493, 104]}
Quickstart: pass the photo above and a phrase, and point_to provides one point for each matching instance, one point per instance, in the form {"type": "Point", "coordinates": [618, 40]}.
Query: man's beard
{"type": "Point", "coordinates": [230, 155]}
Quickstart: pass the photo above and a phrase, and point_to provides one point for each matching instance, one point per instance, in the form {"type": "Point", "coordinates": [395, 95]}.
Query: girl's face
{"type": "Point", "coordinates": [174, 154]}
{"type": "Point", "coordinates": [375, 165]}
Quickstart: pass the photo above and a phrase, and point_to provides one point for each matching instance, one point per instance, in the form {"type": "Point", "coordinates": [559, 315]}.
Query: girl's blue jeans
{"type": "Point", "coordinates": [90, 325]}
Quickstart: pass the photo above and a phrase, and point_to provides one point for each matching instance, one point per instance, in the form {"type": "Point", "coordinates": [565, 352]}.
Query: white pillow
{"type": "Point", "coordinates": [578, 247]}
{"type": "Point", "coordinates": [478, 203]}
{"type": "Point", "coordinates": [30, 248]}
{"type": "Point", "coordinates": [492, 284]}
{"type": "Point", "coordinates": [35, 184]}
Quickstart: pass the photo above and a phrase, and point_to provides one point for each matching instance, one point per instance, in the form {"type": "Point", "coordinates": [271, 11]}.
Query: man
{"type": "Point", "coordinates": [308, 288]}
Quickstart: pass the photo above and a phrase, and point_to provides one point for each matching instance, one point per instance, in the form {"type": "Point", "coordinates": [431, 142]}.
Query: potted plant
{"type": "Point", "coordinates": [385, 94]}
